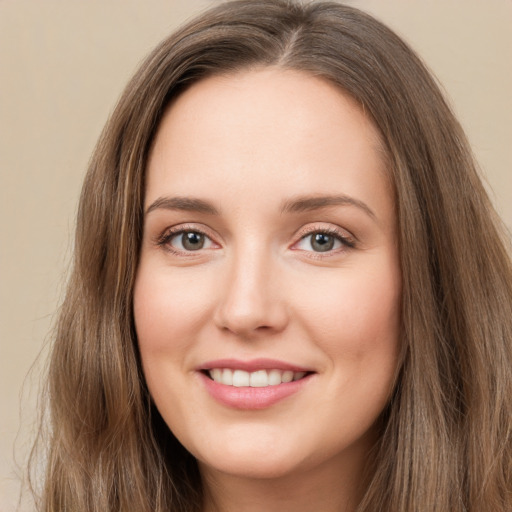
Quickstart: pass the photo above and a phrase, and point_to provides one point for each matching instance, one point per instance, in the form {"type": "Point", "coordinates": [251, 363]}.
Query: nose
{"type": "Point", "coordinates": [253, 299]}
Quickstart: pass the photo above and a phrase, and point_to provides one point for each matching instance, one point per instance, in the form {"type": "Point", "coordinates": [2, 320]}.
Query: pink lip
{"type": "Point", "coordinates": [246, 397]}
{"type": "Point", "coordinates": [253, 365]}
{"type": "Point", "coordinates": [251, 398]}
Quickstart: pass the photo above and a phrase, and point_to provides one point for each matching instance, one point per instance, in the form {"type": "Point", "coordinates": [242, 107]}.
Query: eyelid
{"type": "Point", "coordinates": [325, 227]}
{"type": "Point", "coordinates": [164, 238]}
{"type": "Point", "coordinates": [346, 238]}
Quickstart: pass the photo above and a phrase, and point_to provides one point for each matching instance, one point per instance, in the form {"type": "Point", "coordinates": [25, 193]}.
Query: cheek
{"type": "Point", "coordinates": [160, 300]}
{"type": "Point", "coordinates": [354, 315]}
{"type": "Point", "coordinates": [169, 310]}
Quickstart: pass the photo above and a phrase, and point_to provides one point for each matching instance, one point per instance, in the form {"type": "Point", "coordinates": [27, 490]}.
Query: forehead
{"type": "Point", "coordinates": [265, 127]}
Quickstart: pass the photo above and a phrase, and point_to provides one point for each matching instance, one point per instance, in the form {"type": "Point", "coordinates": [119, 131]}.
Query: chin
{"type": "Point", "coordinates": [251, 467]}
{"type": "Point", "coordinates": [249, 460]}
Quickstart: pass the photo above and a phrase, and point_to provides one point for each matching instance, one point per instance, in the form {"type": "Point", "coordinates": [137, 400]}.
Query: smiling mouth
{"type": "Point", "coordinates": [257, 379]}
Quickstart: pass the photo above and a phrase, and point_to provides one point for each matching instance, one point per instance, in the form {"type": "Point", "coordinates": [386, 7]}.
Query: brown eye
{"type": "Point", "coordinates": [192, 241]}
{"type": "Point", "coordinates": [188, 241]}
{"type": "Point", "coordinates": [322, 242]}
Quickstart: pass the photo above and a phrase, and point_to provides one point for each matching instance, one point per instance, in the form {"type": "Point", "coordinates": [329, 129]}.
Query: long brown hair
{"type": "Point", "coordinates": [446, 435]}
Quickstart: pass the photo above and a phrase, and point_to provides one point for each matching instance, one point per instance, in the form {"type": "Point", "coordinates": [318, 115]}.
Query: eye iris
{"type": "Point", "coordinates": [192, 241]}
{"type": "Point", "coordinates": [322, 242]}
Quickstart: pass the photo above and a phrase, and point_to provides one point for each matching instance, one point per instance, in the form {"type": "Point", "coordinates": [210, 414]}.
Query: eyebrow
{"type": "Point", "coordinates": [189, 204]}
{"type": "Point", "coordinates": [296, 205]}
{"type": "Point", "coordinates": [308, 203]}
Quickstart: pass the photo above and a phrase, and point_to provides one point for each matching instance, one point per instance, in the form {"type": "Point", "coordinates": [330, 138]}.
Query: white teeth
{"type": "Point", "coordinates": [240, 378]}
{"type": "Point", "coordinates": [274, 377]}
{"type": "Point", "coordinates": [257, 379]}
{"type": "Point", "coordinates": [287, 376]}
{"type": "Point", "coordinates": [227, 377]}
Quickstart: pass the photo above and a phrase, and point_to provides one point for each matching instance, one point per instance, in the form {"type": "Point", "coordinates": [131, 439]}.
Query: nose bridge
{"type": "Point", "coordinates": [250, 301]}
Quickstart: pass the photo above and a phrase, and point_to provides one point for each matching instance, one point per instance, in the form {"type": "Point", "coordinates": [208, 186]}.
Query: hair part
{"type": "Point", "coordinates": [446, 434]}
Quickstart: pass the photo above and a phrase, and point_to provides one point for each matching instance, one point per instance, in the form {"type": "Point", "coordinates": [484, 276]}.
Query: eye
{"type": "Point", "coordinates": [189, 241]}
{"type": "Point", "coordinates": [323, 241]}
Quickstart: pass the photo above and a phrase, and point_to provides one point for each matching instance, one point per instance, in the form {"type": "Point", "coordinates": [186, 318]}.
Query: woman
{"type": "Point", "coordinates": [289, 291]}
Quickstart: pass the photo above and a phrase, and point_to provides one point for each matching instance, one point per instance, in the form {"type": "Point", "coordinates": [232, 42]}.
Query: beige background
{"type": "Point", "coordinates": [62, 66]}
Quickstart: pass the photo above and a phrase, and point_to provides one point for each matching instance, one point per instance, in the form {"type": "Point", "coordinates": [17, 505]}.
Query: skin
{"type": "Point", "coordinates": [249, 143]}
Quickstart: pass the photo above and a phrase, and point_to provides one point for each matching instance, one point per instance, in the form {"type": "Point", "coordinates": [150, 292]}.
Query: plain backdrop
{"type": "Point", "coordinates": [64, 63]}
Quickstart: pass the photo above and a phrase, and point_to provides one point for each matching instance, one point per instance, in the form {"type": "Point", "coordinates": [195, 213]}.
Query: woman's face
{"type": "Point", "coordinates": [269, 254]}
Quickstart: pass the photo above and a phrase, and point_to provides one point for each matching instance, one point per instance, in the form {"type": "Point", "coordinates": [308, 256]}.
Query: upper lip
{"type": "Point", "coordinates": [254, 365]}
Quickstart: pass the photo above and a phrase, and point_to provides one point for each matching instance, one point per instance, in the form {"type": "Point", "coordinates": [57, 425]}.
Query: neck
{"type": "Point", "coordinates": [331, 487]}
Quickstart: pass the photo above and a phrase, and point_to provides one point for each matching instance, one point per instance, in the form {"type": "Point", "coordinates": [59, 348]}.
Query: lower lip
{"type": "Point", "coordinates": [252, 398]}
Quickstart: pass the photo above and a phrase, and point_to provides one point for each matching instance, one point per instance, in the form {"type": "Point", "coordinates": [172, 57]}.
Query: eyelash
{"type": "Point", "coordinates": [165, 239]}
{"type": "Point", "coordinates": [347, 242]}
